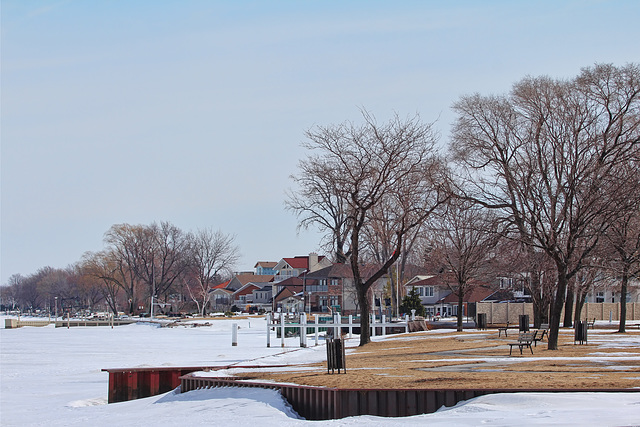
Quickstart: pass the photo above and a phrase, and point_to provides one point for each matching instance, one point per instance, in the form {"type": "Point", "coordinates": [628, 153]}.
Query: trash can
{"type": "Point", "coordinates": [335, 356]}
{"type": "Point", "coordinates": [481, 321]}
{"type": "Point", "coordinates": [524, 323]}
{"type": "Point", "coordinates": [580, 334]}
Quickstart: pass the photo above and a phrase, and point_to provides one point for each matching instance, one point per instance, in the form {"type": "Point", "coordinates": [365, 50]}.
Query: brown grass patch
{"type": "Point", "coordinates": [477, 360]}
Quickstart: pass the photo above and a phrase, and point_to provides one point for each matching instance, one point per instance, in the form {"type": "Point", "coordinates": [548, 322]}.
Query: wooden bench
{"type": "Point", "coordinates": [502, 329]}
{"type": "Point", "coordinates": [591, 323]}
{"type": "Point", "coordinates": [524, 340]}
{"type": "Point", "coordinates": [540, 333]}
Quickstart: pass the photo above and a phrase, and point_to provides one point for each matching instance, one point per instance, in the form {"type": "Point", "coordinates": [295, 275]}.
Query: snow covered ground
{"type": "Point", "coordinates": [53, 377]}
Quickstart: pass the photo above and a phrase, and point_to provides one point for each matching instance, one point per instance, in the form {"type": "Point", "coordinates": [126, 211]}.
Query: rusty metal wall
{"type": "Point", "coordinates": [320, 403]}
{"type": "Point", "coordinates": [313, 403]}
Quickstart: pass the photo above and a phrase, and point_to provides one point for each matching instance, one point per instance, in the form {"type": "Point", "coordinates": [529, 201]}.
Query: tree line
{"type": "Point", "coordinates": [541, 183]}
{"type": "Point", "coordinates": [139, 264]}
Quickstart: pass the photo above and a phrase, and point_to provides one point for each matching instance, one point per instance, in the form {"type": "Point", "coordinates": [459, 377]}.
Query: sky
{"type": "Point", "coordinates": [193, 112]}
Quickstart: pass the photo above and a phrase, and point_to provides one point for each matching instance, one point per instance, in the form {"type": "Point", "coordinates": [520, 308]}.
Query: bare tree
{"type": "Point", "coordinates": [317, 202]}
{"type": "Point", "coordinates": [379, 245]}
{"type": "Point", "coordinates": [624, 238]}
{"type": "Point", "coordinates": [105, 269]}
{"type": "Point", "coordinates": [462, 239]}
{"type": "Point", "coordinates": [367, 166]}
{"type": "Point", "coordinates": [545, 158]}
{"type": "Point", "coordinates": [211, 254]}
{"type": "Point", "coordinates": [118, 263]}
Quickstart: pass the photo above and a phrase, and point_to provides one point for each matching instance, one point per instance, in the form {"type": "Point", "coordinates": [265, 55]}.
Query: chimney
{"type": "Point", "coordinates": [313, 262]}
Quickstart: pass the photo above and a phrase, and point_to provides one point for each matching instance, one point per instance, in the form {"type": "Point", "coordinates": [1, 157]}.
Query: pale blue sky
{"type": "Point", "coordinates": [193, 111]}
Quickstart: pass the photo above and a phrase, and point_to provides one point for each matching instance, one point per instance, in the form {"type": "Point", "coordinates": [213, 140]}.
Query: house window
{"type": "Point", "coordinates": [334, 282]}
{"type": "Point", "coordinates": [506, 282]}
{"type": "Point", "coordinates": [600, 297]}
{"type": "Point", "coordinates": [428, 291]}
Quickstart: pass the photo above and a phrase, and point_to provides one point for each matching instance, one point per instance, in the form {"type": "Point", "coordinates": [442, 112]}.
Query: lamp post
{"type": "Point", "coordinates": [55, 301]}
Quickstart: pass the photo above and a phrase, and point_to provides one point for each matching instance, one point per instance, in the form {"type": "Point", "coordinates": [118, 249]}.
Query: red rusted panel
{"type": "Point", "coordinates": [154, 383]}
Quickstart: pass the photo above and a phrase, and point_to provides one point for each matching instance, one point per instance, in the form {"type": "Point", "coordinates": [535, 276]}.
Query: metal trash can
{"type": "Point", "coordinates": [524, 323]}
{"type": "Point", "coordinates": [336, 356]}
{"type": "Point", "coordinates": [481, 321]}
{"type": "Point", "coordinates": [580, 334]}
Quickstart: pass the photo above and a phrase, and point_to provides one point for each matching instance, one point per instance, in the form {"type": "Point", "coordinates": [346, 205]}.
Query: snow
{"type": "Point", "coordinates": [53, 376]}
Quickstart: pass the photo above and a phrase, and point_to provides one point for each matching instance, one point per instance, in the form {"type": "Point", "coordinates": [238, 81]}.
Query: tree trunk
{"type": "Point", "coordinates": [460, 306]}
{"type": "Point", "coordinates": [623, 298]}
{"type": "Point", "coordinates": [365, 311]}
{"type": "Point", "coordinates": [581, 297]}
{"type": "Point", "coordinates": [568, 305]}
{"type": "Point", "coordinates": [557, 306]}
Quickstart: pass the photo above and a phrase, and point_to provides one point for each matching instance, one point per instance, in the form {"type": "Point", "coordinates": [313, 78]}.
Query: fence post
{"type": "Point", "coordinates": [234, 334]}
{"type": "Point", "coordinates": [282, 328]}
{"type": "Point", "coordinates": [351, 326]}
{"type": "Point", "coordinates": [373, 325]}
{"type": "Point", "coordinates": [406, 323]}
{"type": "Point", "coordinates": [303, 329]}
{"type": "Point", "coordinates": [384, 327]}
{"type": "Point", "coordinates": [268, 330]}
{"type": "Point", "coordinates": [316, 316]}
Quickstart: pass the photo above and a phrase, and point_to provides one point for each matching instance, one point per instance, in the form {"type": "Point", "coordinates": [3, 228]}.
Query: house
{"type": "Point", "coordinates": [448, 305]}
{"type": "Point", "coordinates": [220, 297]}
{"type": "Point", "coordinates": [277, 287]}
{"type": "Point", "coordinates": [333, 289]}
{"type": "Point", "coordinates": [241, 279]}
{"type": "Point", "coordinates": [324, 289]}
{"type": "Point", "coordinates": [289, 298]}
{"type": "Point", "coordinates": [242, 298]}
{"type": "Point", "coordinates": [294, 267]}
{"type": "Point", "coordinates": [265, 268]}
{"type": "Point", "coordinates": [609, 291]}
{"type": "Point", "coordinates": [431, 290]}
{"type": "Point", "coordinates": [261, 298]}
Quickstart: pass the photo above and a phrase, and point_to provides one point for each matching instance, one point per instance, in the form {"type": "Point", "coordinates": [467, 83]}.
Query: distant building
{"type": "Point", "coordinates": [265, 268]}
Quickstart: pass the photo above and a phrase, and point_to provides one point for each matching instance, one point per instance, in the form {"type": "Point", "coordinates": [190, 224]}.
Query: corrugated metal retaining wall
{"type": "Point", "coordinates": [136, 383]}
{"type": "Point", "coordinates": [131, 384]}
{"type": "Point", "coordinates": [313, 403]}
{"type": "Point", "coordinates": [320, 403]}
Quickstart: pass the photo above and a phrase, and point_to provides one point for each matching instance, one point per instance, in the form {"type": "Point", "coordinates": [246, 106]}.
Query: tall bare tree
{"type": "Point", "coordinates": [119, 261]}
{"type": "Point", "coordinates": [624, 238]}
{"type": "Point", "coordinates": [363, 167]}
{"type": "Point", "coordinates": [211, 254]}
{"type": "Point", "coordinates": [462, 239]}
{"type": "Point", "coordinates": [105, 268]}
{"type": "Point", "coordinates": [545, 158]}
{"type": "Point", "coordinates": [317, 202]}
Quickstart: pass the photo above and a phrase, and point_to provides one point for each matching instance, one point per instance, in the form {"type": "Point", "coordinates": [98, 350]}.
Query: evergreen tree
{"type": "Point", "coordinates": [412, 301]}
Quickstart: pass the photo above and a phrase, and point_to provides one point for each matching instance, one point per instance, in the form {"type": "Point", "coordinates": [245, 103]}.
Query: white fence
{"type": "Point", "coordinates": [279, 321]}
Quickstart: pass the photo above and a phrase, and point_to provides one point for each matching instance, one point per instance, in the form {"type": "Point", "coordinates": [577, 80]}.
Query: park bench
{"type": "Point", "coordinates": [502, 329]}
{"type": "Point", "coordinates": [541, 332]}
{"type": "Point", "coordinates": [591, 323]}
{"type": "Point", "coordinates": [524, 340]}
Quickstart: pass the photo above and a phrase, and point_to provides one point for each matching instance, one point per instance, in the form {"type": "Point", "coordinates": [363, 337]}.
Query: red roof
{"type": "Point", "coordinates": [475, 294]}
{"type": "Point", "coordinates": [300, 261]}
{"type": "Point", "coordinates": [221, 285]}
{"type": "Point", "coordinates": [249, 289]}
